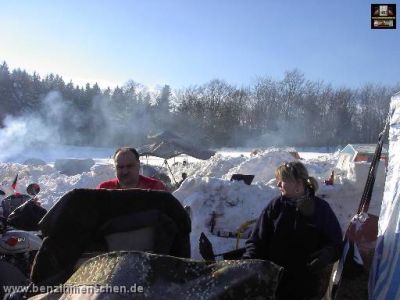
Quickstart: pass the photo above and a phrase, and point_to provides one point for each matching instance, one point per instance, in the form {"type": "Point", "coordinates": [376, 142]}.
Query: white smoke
{"type": "Point", "coordinates": [31, 130]}
{"type": "Point", "coordinates": [56, 122]}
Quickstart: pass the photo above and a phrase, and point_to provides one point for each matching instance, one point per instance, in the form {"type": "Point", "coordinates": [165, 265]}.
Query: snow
{"type": "Point", "coordinates": [208, 189]}
{"type": "Point", "coordinates": [262, 165]}
{"type": "Point", "coordinates": [235, 203]}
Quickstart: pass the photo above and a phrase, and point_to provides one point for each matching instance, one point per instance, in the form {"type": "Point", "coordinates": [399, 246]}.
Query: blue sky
{"type": "Point", "coordinates": [187, 42]}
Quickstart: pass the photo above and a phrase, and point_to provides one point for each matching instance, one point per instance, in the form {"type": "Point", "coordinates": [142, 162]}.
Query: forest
{"type": "Point", "coordinates": [292, 111]}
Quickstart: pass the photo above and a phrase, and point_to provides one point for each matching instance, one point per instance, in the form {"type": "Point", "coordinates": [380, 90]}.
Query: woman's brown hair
{"type": "Point", "coordinates": [295, 170]}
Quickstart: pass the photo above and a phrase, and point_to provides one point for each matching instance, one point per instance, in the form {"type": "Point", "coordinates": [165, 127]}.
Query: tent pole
{"type": "Point", "coordinates": [166, 163]}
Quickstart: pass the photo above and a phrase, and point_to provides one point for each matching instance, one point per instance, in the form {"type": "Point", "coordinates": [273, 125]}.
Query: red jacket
{"type": "Point", "coordinates": [146, 183]}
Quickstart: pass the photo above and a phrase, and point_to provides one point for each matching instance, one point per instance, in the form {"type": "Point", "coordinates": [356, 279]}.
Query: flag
{"type": "Point", "coordinates": [14, 184]}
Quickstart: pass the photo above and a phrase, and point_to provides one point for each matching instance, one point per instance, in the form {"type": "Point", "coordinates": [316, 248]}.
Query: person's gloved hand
{"type": "Point", "coordinates": [315, 265]}
{"type": "Point", "coordinates": [320, 259]}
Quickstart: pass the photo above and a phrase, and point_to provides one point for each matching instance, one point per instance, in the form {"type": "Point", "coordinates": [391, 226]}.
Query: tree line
{"type": "Point", "coordinates": [292, 111]}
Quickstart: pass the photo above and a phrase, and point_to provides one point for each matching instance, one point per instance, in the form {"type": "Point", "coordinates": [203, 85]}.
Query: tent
{"type": "Point", "coordinates": [385, 273]}
{"type": "Point", "coordinates": [360, 152]}
{"type": "Point", "coordinates": [168, 145]}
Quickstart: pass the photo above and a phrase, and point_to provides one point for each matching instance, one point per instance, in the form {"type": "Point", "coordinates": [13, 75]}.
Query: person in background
{"type": "Point", "coordinates": [297, 231]}
{"type": "Point", "coordinates": [127, 166]}
{"type": "Point", "coordinates": [184, 176]}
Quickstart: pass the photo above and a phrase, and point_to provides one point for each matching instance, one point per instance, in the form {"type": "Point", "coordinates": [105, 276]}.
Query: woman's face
{"type": "Point", "coordinates": [290, 188]}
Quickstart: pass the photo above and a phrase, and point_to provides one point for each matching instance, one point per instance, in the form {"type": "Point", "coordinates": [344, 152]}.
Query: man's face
{"type": "Point", "coordinates": [127, 169]}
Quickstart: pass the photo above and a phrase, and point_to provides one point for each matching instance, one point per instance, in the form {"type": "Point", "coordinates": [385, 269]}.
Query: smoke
{"type": "Point", "coordinates": [106, 121]}
{"type": "Point", "coordinates": [269, 139]}
{"type": "Point", "coordinates": [287, 133]}
{"type": "Point", "coordinates": [58, 121]}
{"type": "Point", "coordinates": [116, 124]}
{"type": "Point", "coordinates": [30, 130]}
{"type": "Point", "coordinates": [148, 113]}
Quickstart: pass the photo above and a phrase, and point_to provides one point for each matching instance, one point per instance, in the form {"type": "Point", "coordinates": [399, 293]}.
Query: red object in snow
{"type": "Point", "coordinates": [331, 179]}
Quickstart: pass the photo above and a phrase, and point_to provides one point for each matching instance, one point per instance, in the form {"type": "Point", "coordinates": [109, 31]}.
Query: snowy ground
{"type": "Point", "coordinates": [213, 198]}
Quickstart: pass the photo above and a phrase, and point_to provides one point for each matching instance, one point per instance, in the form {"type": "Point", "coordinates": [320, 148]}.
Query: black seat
{"type": "Point", "coordinates": [109, 220]}
{"type": "Point", "coordinates": [150, 231]}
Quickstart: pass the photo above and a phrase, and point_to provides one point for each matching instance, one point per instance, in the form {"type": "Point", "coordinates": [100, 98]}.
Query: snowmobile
{"type": "Point", "coordinates": [19, 242]}
{"type": "Point", "coordinates": [136, 238]}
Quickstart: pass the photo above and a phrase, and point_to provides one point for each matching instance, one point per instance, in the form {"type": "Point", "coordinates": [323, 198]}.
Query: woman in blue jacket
{"type": "Point", "coordinates": [297, 231]}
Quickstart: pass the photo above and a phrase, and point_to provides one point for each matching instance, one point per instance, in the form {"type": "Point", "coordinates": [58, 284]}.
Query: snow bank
{"type": "Point", "coordinates": [208, 191]}
{"type": "Point", "coordinates": [262, 165]}
{"type": "Point", "coordinates": [233, 203]}
{"type": "Point", "coordinates": [218, 165]}
{"type": "Point", "coordinates": [50, 153]}
{"type": "Point", "coordinates": [53, 184]}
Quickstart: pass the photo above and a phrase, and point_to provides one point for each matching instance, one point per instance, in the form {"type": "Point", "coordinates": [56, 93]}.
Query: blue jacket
{"type": "Point", "coordinates": [292, 237]}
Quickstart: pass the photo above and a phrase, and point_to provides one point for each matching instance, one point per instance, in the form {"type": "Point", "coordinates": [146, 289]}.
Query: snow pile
{"type": "Point", "coordinates": [231, 202]}
{"type": "Point", "coordinates": [352, 180]}
{"type": "Point", "coordinates": [177, 168]}
{"type": "Point", "coordinates": [234, 203]}
{"type": "Point", "coordinates": [208, 191]}
{"type": "Point", "coordinates": [50, 153]}
{"type": "Point", "coordinates": [53, 184]}
{"type": "Point", "coordinates": [73, 166]}
{"type": "Point", "coordinates": [218, 165]}
{"type": "Point", "coordinates": [320, 165]}
{"type": "Point", "coordinates": [262, 165]}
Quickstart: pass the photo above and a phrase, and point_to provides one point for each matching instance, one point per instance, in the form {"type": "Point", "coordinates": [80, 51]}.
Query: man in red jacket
{"type": "Point", "coordinates": [127, 165]}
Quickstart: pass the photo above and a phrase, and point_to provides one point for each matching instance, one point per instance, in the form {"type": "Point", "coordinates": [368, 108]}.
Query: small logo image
{"type": "Point", "coordinates": [383, 16]}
